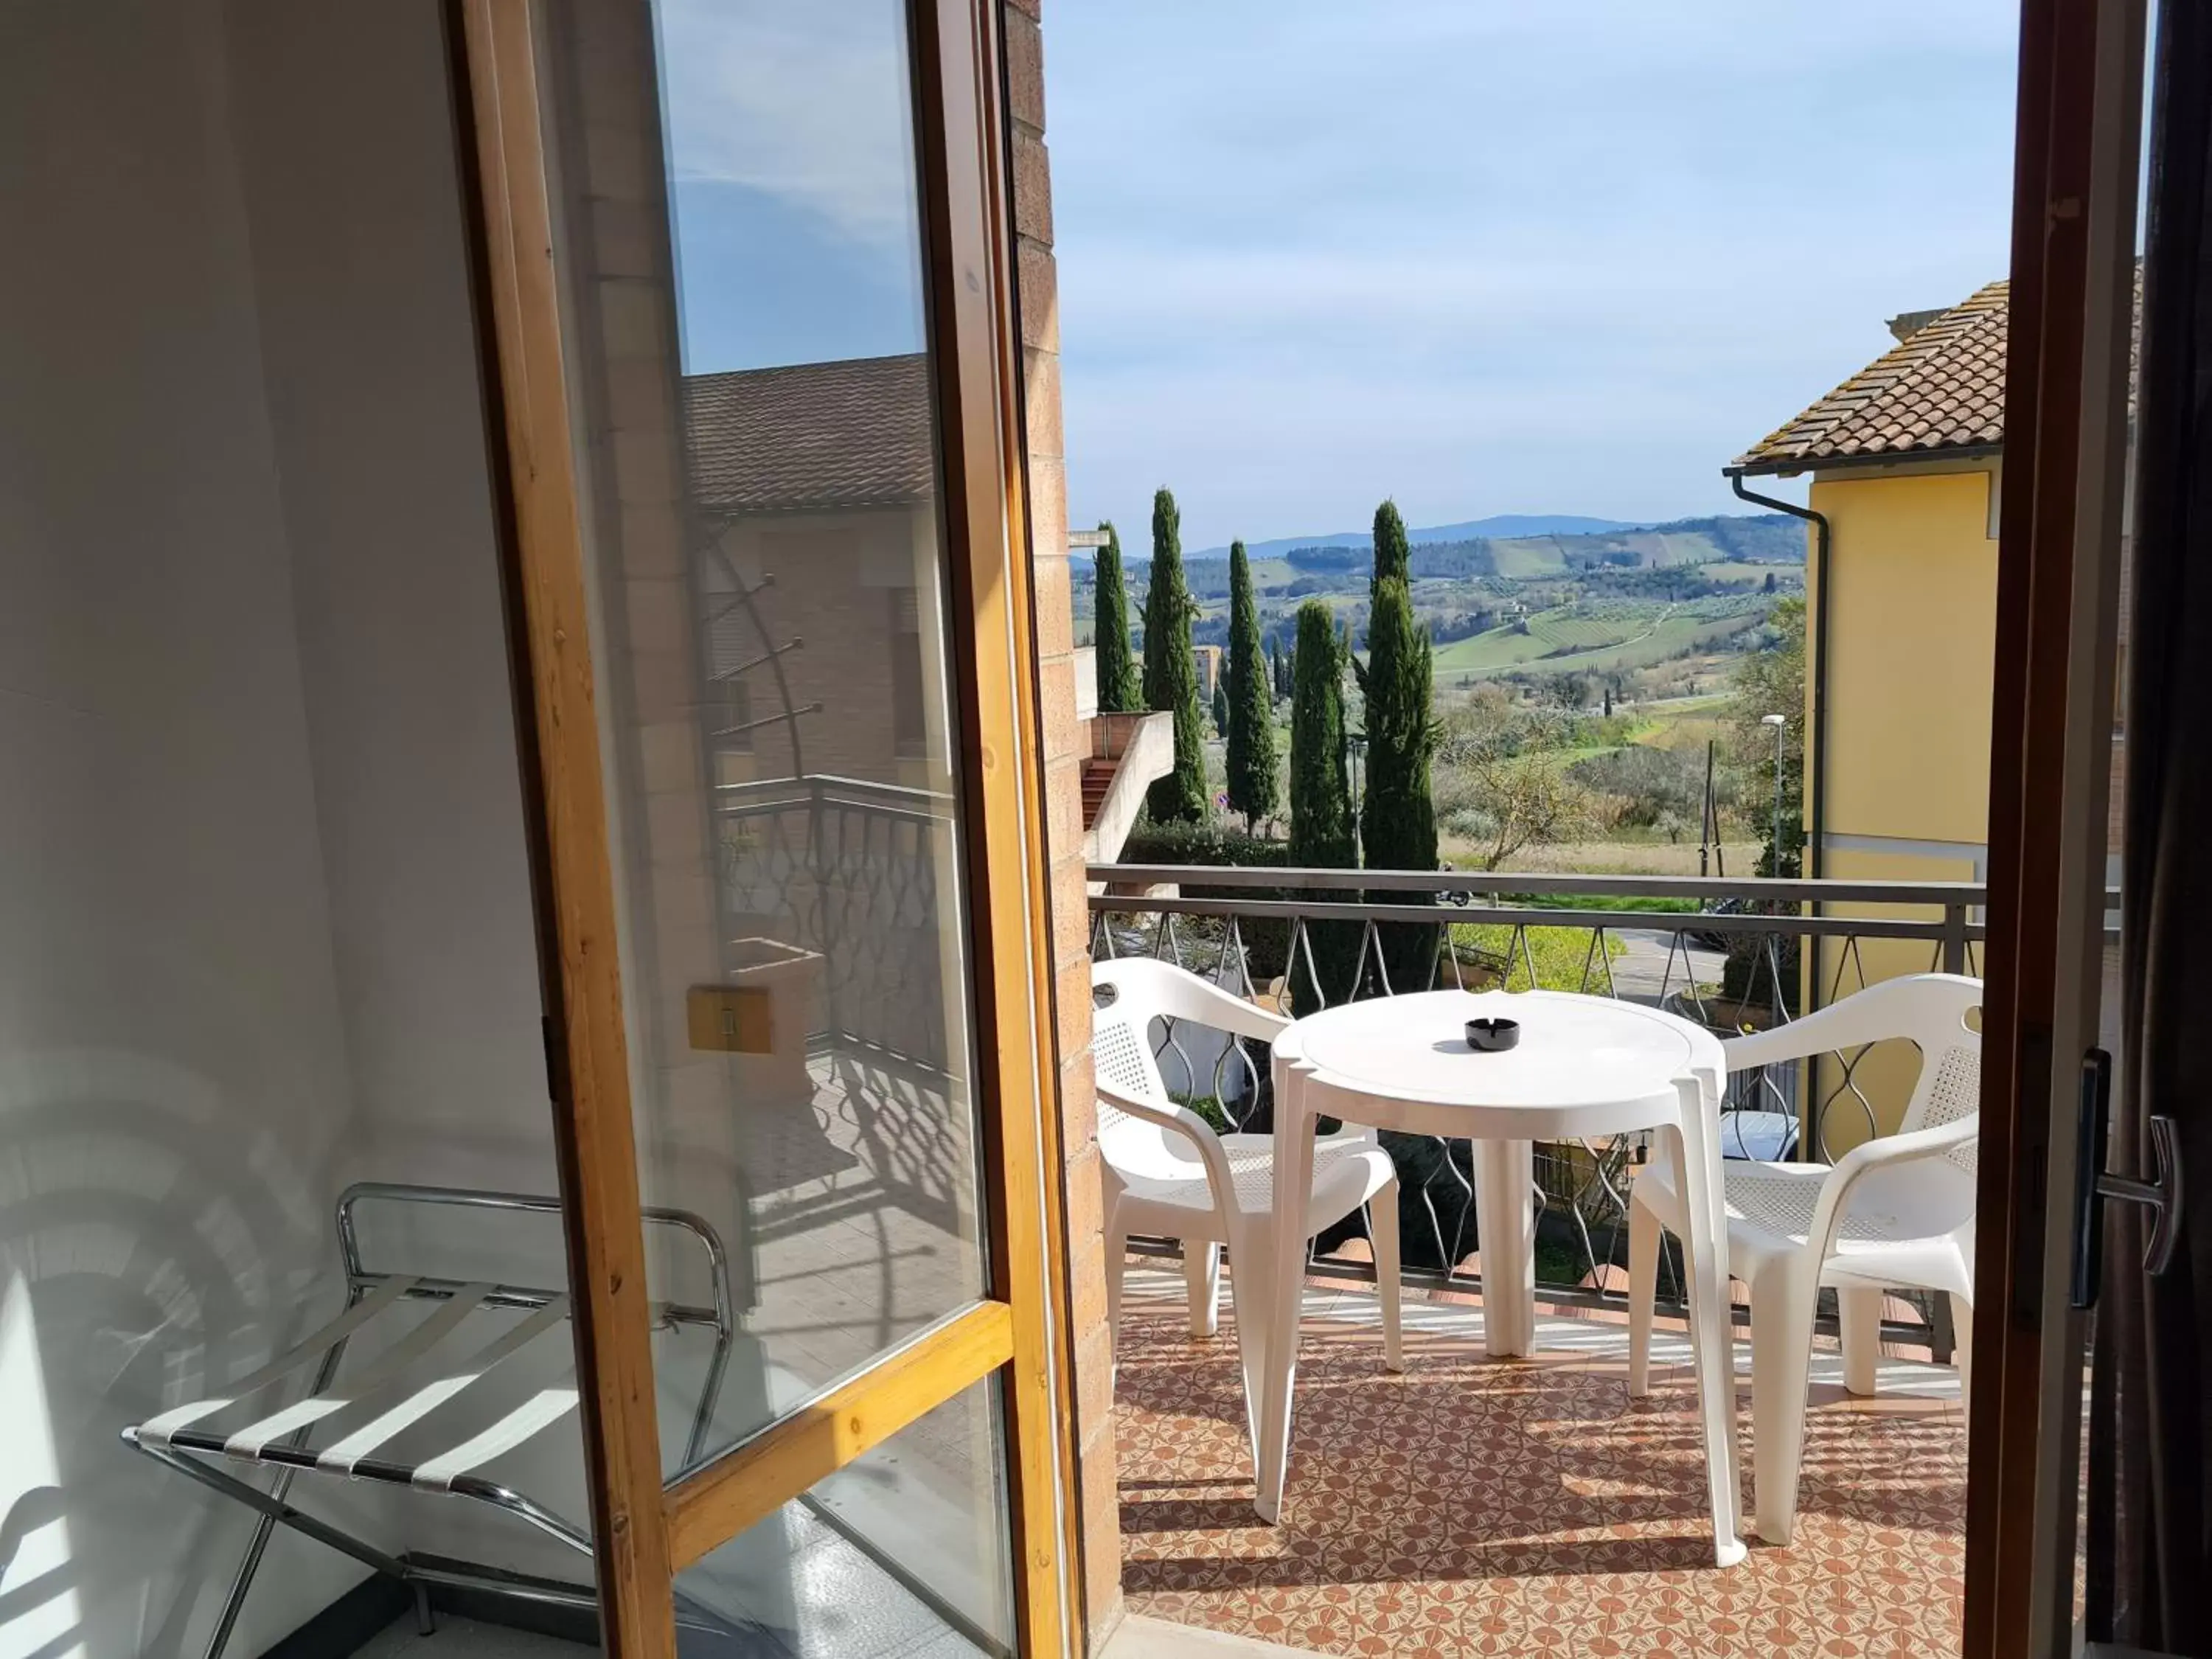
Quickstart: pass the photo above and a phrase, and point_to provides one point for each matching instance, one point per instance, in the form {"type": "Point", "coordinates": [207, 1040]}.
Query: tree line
{"type": "Point", "coordinates": [1394, 822]}
{"type": "Point", "coordinates": [1499, 773]}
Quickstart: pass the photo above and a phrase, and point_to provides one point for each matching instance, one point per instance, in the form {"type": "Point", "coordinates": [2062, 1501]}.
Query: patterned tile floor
{"type": "Point", "coordinates": [1473, 1506]}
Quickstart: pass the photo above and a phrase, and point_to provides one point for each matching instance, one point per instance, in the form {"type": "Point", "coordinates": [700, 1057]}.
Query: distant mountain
{"type": "Point", "coordinates": [1612, 555]}
{"type": "Point", "coordinates": [1749, 538]}
{"type": "Point", "coordinates": [1499, 526]}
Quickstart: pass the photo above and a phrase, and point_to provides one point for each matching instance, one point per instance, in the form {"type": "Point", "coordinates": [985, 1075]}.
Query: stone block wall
{"type": "Point", "coordinates": [1038, 299]}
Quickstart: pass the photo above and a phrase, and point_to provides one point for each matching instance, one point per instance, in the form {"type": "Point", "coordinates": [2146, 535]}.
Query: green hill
{"type": "Point", "coordinates": [1596, 637]}
{"type": "Point", "coordinates": [1771, 538]}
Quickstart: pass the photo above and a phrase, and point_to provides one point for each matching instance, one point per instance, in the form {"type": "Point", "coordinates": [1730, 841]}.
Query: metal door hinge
{"type": "Point", "coordinates": [2162, 1193]}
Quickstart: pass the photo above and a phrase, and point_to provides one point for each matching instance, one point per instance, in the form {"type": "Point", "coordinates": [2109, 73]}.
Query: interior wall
{"type": "Point", "coordinates": [372, 382]}
{"type": "Point", "coordinates": [173, 1079]}
{"type": "Point", "coordinates": [372, 378]}
{"type": "Point", "coordinates": [265, 920]}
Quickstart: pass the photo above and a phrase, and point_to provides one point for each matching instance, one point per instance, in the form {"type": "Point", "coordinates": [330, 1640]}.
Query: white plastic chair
{"type": "Point", "coordinates": [1168, 1174]}
{"type": "Point", "coordinates": [1895, 1212]}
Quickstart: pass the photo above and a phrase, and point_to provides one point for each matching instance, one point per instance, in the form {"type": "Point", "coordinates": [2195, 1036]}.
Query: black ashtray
{"type": "Point", "coordinates": [1492, 1036]}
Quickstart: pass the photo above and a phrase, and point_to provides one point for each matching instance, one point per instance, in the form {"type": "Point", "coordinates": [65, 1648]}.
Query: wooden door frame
{"type": "Point", "coordinates": [644, 1535]}
{"type": "Point", "coordinates": [2070, 309]}
{"type": "Point", "coordinates": [548, 609]}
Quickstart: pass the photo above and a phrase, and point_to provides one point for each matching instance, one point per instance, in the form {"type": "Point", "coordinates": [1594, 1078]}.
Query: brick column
{"type": "Point", "coordinates": [1037, 293]}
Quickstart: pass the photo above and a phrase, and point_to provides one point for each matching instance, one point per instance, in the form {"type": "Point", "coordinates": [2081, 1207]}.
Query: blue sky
{"type": "Point", "coordinates": [790, 144]}
{"type": "Point", "coordinates": [1565, 257]}
{"type": "Point", "coordinates": [1549, 256]}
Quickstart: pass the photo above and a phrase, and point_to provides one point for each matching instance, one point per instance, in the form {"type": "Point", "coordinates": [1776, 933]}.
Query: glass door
{"type": "Point", "coordinates": [2051, 1035]}
{"type": "Point", "coordinates": [765, 533]}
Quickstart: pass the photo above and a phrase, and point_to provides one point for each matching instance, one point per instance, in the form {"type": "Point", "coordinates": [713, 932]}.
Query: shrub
{"type": "Point", "coordinates": [1267, 943]}
{"type": "Point", "coordinates": [1647, 785]}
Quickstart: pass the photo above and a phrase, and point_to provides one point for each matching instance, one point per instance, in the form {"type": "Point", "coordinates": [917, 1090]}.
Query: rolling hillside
{"type": "Point", "coordinates": [1596, 638]}
{"type": "Point", "coordinates": [1766, 540]}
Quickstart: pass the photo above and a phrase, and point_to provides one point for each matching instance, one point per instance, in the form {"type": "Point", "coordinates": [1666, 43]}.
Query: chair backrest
{"type": "Point", "coordinates": [1932, 1011]}
{"type": "Point", "coordinates": [1127, 994]}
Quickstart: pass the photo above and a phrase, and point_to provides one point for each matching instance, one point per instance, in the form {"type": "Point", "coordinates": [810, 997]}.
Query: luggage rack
{"type": "Point", "coordinates": [379, 1404]}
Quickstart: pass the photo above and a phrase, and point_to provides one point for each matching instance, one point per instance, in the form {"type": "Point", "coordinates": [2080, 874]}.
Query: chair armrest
{"type": "Point", "coordinates": [1225, 1011]}
{"type": "Point", "coordinates": [1181, 1120]}
{"type": "Point", "coordinates": [1901, 1007]}
{"type": "Point", "coordinates": [1885, 1151]}
{"type": "Point", "coordinates": [1800, 1039]}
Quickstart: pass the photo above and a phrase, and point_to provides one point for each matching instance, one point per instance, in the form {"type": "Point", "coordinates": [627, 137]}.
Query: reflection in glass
{"type": "Point", "coordinates": [904, 1551]}
{"type": "Point", "coordinates": [744, 270]}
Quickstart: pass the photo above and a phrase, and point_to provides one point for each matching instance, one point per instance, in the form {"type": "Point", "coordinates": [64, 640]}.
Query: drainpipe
{"type": "Point", "coordinates": [1816, 793]}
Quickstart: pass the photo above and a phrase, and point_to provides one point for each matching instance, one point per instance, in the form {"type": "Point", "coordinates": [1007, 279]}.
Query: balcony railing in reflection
{"type": "Point", "coordinates": [843, 882]}
{"type": "Point", "coordinates": [1730, 955]}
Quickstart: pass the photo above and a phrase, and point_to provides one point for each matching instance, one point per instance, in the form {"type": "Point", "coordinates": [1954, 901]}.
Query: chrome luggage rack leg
{"type": "Point", "coordinates": [192, 1452]}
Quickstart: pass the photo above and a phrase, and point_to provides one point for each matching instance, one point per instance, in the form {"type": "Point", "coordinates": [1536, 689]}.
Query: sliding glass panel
{"type": "Point", "coordinates": [906, 1551]}
{"type": "Point", "coordinates": [742, 261]}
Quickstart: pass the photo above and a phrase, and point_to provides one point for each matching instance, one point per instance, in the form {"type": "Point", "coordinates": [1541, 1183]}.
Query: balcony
{"type": "Point", "coordinates": [1476, 1506]}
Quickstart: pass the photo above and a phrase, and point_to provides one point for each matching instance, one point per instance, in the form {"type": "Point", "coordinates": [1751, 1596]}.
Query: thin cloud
{"type": "Point", "coordinates": [807, 104]}
{"type": "Point", "coordinates": [1568, 258]}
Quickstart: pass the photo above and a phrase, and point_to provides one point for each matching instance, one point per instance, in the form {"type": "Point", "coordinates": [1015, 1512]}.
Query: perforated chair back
{"type": "Point", "coordinates": [1937, 1013]}
{"type": "Point", "coordinates": [1127, 994]}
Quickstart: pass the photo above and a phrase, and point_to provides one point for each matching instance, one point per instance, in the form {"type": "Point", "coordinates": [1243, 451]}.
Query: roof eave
{"type": "Point", "coordinates": [1789, 466]}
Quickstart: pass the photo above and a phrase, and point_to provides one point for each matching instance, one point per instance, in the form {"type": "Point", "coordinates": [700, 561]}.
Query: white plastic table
{"type": "Point", "coordinates": [1585, 1067]}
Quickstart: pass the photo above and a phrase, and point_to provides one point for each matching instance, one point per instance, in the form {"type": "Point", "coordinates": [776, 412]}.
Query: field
{"type": "Point", "coordinates": [1618, 857]}
{"type": "Point", "coordinates": [1685, 723]}
{"type": "Point", "coordinates": [1573, 638]}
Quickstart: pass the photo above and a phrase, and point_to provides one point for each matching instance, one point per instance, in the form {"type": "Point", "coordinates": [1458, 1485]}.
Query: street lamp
{"type": "Point", "coordinates": [1781, 725]}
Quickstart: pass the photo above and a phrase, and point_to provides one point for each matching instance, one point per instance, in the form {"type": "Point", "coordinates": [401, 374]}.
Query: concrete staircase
{"type": "Point", "coordinates": [1127, 753]}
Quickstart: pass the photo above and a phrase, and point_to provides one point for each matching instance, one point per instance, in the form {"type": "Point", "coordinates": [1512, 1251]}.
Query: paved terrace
{"type": "Point", "coordinates": [1479, 1506]}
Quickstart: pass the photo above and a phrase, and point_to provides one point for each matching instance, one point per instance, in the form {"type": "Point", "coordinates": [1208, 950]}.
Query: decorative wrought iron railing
{"type": "Point", "coordinates": [1731, 954]}
{"type": "Point", "coordinates": [854, 876]}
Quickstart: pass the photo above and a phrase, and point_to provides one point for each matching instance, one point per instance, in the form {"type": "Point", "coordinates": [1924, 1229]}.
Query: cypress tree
{"type": "Point", "coordinates": [1221, 705]}
{"type": "Point", "coordinates": [1251, 758]}
{"type": "Point", "coordinates": [1393, 555]}
{"type": "Point", "coordinates": [1322, 833]}
{"type": "Point", "coordinates": [1119, 689]}
{"type": "Point", "coordinates": [1172, 671]}
{"type": "Point", "coordinates": [1320, 786]}
{"type": "Point", "coordinates": [1397, 818]}
{"type": "Point", "coordinates": [1276, 682]}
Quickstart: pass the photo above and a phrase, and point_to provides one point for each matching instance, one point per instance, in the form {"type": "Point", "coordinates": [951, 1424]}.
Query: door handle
{"type": "Point", "coordinates": [2092, 1187]}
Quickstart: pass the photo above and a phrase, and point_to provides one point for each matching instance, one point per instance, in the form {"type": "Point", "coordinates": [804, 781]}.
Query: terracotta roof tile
{"type": "Point", "coordinates": [1943, 388]}
{"type": "Point", "coordinates": [812, 436]}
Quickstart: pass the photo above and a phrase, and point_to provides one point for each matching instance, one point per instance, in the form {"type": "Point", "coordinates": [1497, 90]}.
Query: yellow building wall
{"type": "Point", "coordinates": [1912, 595]}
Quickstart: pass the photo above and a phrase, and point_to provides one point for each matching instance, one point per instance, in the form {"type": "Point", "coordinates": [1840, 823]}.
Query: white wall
{"type": "Point", "coordinates": [264, 914]}
{"type": "Point", "coordinates": [372, 371]}
{"type": "Point", "coordinates": [173, 1065]}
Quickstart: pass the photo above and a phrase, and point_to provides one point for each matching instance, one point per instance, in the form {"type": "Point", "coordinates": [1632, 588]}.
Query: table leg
{"type": "Point", "coordinates": [1283, 1283]}
{"type": "Point", "coordinates": [1505, 1227]}
{"type": "Point", "coordinates": [1712, 1331]}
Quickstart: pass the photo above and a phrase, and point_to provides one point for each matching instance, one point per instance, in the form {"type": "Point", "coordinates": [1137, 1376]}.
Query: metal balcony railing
{"type": "Point", "coordinates": [1731, 954]}
{"type": "Point", "coordinates": [854, 874]}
